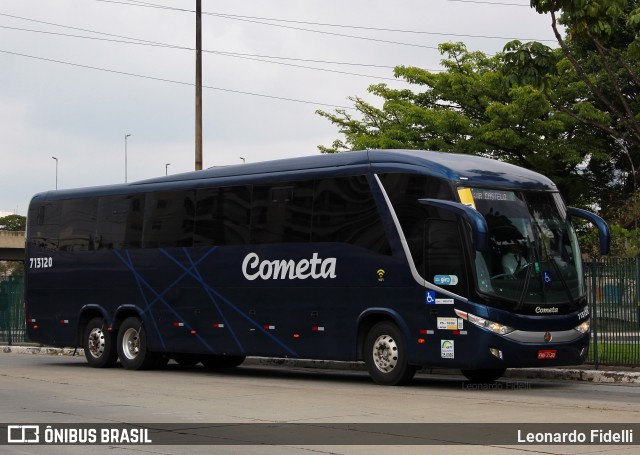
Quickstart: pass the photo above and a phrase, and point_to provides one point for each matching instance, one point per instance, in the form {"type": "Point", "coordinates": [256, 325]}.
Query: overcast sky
{"type": "Point", "coordinates": [81, 115]}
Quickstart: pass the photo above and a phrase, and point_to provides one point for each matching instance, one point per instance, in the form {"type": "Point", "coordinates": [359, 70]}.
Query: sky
{"type": "Point", "coordinates": [76, 97]}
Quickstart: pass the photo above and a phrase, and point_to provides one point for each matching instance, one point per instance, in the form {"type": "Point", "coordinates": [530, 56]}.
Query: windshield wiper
{"type": "Point", "coordinates": [525, 287]}
{"type": "Point", "coordinates": [556, 267]}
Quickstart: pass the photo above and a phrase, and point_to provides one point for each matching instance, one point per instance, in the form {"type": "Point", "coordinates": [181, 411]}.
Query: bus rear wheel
{"type": "Point", "coordinates": [132, 346]}
{"type": "Point", "coordinates": [488, 375]}
{"type": "Point", "coordinates": [99, 345]}
{"type": "Point", "coordinates": [385, 353]}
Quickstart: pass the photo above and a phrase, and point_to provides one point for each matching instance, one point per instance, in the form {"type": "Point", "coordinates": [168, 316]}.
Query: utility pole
{"type": "Point", "coordinates": [198, 85]}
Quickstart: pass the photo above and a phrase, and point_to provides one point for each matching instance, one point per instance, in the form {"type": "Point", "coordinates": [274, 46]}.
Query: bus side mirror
{"type": "Point", "coordinates": [473, 217]}
{"type": "Point", "coordinates": [603, 228]}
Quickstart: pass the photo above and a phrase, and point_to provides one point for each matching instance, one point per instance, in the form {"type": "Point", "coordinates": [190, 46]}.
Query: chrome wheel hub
{"type": "Point", "coordinates": [385, 353]}
{"type": "Point", "coordinates": [131, 343]}
{"type": "Point", "coordinates": [96, 342]}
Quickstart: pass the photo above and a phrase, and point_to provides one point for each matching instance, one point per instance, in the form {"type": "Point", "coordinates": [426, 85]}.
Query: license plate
{"type": "Point", "coordinates": [544, 354]}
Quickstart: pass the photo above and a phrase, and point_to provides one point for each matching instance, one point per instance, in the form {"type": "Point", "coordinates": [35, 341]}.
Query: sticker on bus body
{"type": "Point", "coordinates": [445, 280]}
{"type": "Point", "coordinates": [432, 299]}
{"type": "Point", "coordinates": [447, 323]}
{"type": "Point", "coordinates": [447, 350]}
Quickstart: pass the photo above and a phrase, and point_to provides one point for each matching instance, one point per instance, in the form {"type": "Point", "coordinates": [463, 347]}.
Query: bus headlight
{"type": "Point", "coordinates": [494, 327]}
{"type": "Point", "coordinates": [584, 327]}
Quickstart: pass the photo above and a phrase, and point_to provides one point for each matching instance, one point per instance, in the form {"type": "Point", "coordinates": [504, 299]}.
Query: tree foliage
{"type": "Point", "coordinates": [471, 108]}
{"type": "Point", "coordinates": [13, 223]}
{"type": "Point", "coordinates": [598, 61]}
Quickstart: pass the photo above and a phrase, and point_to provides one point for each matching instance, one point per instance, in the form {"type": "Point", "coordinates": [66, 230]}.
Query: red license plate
{"type": "Point", "coordinates": [544, 354]}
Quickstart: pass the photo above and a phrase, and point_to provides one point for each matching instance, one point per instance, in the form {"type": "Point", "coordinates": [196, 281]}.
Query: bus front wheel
{"type": "Point", "coordinates": [99, 345]}
{"type": "Point", "coordinates": [132, 346]}
{"type": "Point", "coordinates": [385, 352]}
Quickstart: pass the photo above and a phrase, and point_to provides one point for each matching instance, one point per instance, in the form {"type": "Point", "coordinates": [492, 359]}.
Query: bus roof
{"type": "Point", "coordinates": [467, 170]}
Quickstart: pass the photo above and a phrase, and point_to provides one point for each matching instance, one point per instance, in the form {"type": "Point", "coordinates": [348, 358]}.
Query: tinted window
{"type": "Point", "coordinates": [403, 191]}
{"type": "Point", "coordinates": [223, 216]}
{"type": "Point", "coordinates": [282, 213]}
{"type": "Point", "coordinates": [120, 222]}
{"type": "Point", "coordinates": [78, 224]}
{"type": "Point", "coordinates": [433, 236]}
{"type": "Point", "coordinates": [169, 219]}
{"type": "Point", "coordinates": [344, 211]}
{"type": "Point", "coordinates": [44, 221]}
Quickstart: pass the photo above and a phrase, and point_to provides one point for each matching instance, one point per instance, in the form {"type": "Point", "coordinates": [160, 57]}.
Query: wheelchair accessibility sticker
{"type": "Point", "coordinates": [547, 279]}
{"type": "Point", "coordinates": [431, 299]}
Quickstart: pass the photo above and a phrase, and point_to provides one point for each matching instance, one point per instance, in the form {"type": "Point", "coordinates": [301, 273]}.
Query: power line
{"type": "Point", "coordinates": [372, 65]}
{"type": "Point", "coordinates": [226, 54]}
{"type": "Point", "coordinates": [259, 20]}
{"type": "Point", "coordinates": [124, 73]}
{"type": "Point", "coordinates": [376, 29]}
{"type": "Point", "coordinates": [360, 27]}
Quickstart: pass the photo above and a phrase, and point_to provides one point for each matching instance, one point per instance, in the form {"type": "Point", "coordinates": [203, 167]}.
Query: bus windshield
{"type": "Point", "coordinates": [533, 256]}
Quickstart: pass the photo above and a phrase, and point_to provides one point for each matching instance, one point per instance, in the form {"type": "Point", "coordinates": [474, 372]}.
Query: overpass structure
{"type": "Point", "coordinates": [11, 245]}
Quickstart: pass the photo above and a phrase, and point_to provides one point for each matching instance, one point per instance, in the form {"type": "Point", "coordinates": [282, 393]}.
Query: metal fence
{"type": "Point", "coordinates": [613, 286]}
{"type": "Point", "coordinates": [12, 319]}
{"type": "Point", "coordinates": [613, 290]}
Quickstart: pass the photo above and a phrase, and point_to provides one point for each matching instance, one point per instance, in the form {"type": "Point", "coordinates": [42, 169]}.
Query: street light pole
{"type": "Point", "coordinates": [166, 168]}
{"type": "Point", "coordinates": [125, 157]}
{"type": "Point", "coordinates": [56, 171]}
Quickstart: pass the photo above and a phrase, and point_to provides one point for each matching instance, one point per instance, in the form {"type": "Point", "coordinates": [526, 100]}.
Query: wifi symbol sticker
{"type": "Point", "coordinates": [380, 273]}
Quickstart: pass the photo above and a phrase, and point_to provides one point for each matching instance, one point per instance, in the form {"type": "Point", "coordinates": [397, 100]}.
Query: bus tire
{"type": "Point", "coordinates": [385, 353]}
{"type": "Point", "coordinates": [222, 361]}
{"type": "Point", "coordinates": [99, 345]}
{"type": "Point", "coordinates": [488, 375]}
{"type": "Point", "coordinates": [132, 346]}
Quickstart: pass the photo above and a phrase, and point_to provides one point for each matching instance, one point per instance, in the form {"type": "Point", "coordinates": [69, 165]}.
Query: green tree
{"type": "Point", "coordinates": [598, 60]}
{"type": "Point", "coordinates": [470, 108]}
{"type": "Point", "coordinates": [13, 223]}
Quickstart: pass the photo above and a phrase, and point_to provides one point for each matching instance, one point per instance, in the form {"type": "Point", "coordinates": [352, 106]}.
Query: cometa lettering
{"type": "Point", "coordinates": [283, 269]}
{"type": "Point", "coordinates": [541, 310]}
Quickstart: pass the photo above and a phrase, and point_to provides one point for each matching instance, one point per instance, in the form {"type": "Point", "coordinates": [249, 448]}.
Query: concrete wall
{"type": "Point", "coordinates": [11, 245]}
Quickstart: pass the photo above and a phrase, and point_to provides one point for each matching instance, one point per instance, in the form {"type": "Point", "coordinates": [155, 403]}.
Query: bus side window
{"type": "Point", "coordinates": [112, 220]}
{"type": "Point", "coordinates": [78, 226]}
{"type": "Point", "coordinates": [282, 213]}
{"type": "Point", "coordinates": [344, 211]}
{"type": "Point", "coordinates": [43, 226]}
{"type": "Point", "coordinates": [119, 223]}
{"type": "Point", "coordinates": [169, 219]}
{"type": "Point", "coordinates": [404, 190]}
{"type": "Point", "coordinates": [222, 216]}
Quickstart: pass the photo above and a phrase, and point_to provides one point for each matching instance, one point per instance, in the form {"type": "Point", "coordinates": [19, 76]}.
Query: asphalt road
{"type": "Point", "coordinates": [63, 389]}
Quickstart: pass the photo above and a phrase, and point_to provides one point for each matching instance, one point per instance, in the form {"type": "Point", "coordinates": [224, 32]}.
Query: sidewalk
{"type": "Point", "coordinates": [620, 375]}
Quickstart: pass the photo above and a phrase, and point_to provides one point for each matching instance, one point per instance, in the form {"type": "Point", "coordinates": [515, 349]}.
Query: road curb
{"type": "Point", "coordinates": [571, 374]}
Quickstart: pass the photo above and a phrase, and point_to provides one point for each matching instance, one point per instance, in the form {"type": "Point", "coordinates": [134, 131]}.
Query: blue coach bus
{"type": "Point", "coordinates": [400, 259]}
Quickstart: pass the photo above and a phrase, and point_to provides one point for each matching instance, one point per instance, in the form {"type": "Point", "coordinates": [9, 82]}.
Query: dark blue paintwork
{"type": "Point", "coordinates": [465, 169]}
{"type": "Point", "coordinates": [197, 300]}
